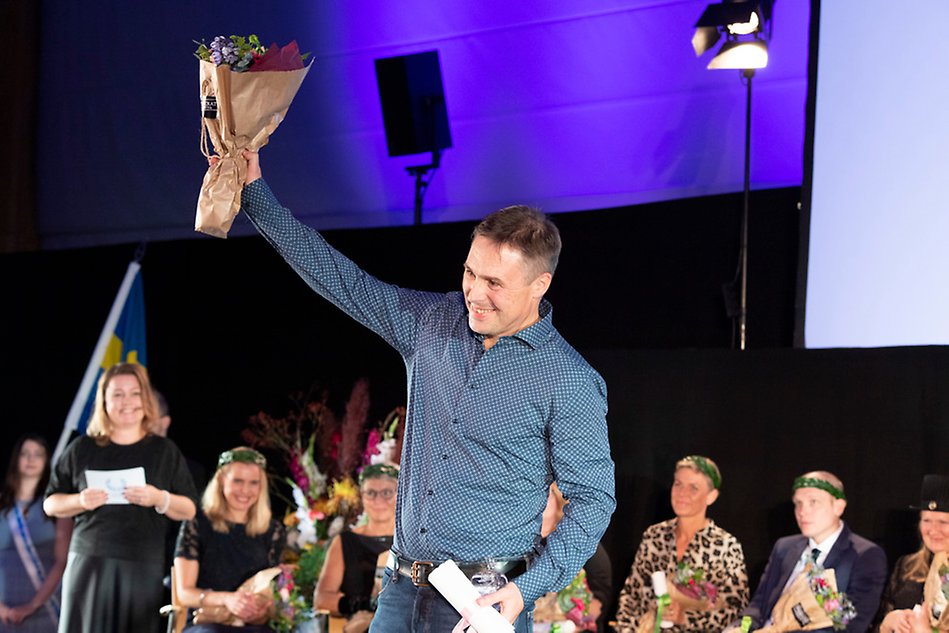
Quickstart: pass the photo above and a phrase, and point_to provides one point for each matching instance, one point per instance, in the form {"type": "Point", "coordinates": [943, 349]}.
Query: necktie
{"type": "Point", "coordinates": [815, 553]}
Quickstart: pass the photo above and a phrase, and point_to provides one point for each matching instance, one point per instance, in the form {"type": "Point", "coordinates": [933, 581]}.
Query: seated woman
{"type": "Point", "coordinates": [693, 540]}
{"type": "Point", "coordinates": [348, 581]}
{"type": "Point", "coordinates": [232, 538]}
{"type": "Point", "coordinates": [905, 588]}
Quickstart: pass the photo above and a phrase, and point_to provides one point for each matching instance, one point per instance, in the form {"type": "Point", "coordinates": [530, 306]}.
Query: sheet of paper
{"type": "Point", "coordinates": [115, 482]}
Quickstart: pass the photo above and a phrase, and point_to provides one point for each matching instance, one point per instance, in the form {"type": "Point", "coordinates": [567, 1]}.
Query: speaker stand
{"type": "Point", "coordinates": [422, 183]}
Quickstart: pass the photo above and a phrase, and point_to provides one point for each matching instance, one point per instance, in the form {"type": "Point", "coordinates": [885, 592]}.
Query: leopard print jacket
{"type": "Point", "coordinates": [712, 549]}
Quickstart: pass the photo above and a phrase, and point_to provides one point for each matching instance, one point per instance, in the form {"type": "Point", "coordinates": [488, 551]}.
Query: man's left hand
{"type": "Point", "coordinates": [510, 599]}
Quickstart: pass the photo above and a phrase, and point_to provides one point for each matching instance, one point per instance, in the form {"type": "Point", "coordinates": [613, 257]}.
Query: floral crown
{"type": "Point", "coordinates": [704, 466]}
{"type": "Point", "coordinates": [813, 482]}
{"type": "Point", "coordinates": [244, 455]}
{"type": "Point", "coordinates": [378, 470]}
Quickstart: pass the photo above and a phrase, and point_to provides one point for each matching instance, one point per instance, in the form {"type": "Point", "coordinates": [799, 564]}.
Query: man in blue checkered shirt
{"type": "Point", "coordinates": [499, 406]}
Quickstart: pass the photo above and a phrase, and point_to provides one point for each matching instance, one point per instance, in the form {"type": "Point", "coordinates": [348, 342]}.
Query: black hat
{"type": "Point", "coordinates": [934, 494]}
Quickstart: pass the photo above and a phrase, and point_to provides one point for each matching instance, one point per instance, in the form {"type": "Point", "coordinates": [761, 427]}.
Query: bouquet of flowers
{"type": "Point", "coordinates": [574, 601]}
{"type": "Point", "coordinates": [322, 454]}
{"type": "Point", "coordinates": [570, 605]}
{"type": "Point", "coordinates": [246, 90]}
{"type": "Point", "coordinates": [936, 592]}
{"type": "Point", "coordinates": [812, 602]}
{"type": "Point", "coordinates": [692, 590]}
{"type": "Point", "coordinates": [291, 607]}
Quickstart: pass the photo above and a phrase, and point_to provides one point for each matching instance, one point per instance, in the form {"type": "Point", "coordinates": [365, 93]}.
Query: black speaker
{"type": "Point", "coordinates": [413, 103]}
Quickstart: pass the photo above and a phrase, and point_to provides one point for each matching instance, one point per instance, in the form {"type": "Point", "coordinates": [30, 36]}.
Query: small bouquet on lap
{"type": "Point", "coordinates": [811, 602]}
{"type": "Point", "coordinates": [246, 90]}
{"type": "Point", "coordinates": [693, 591]}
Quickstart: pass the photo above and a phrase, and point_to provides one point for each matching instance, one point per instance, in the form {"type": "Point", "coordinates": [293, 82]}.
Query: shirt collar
{"type": "Point", "coordinates": [537, 334]}
{"type": "Point", "coordinates": [826, 545]}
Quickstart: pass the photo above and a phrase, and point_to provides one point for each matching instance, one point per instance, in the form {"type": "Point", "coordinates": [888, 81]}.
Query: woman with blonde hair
{"type": "Point", "coordinates": [231, 539]}
{"type": "Point", "coordinates": [113, 577]}
{"type": "Point", "coordinates": [905, 588]}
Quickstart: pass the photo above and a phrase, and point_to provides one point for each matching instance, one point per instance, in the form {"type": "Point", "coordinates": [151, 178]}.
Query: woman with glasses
{"type": "Point", "coordinates": [348, 581]}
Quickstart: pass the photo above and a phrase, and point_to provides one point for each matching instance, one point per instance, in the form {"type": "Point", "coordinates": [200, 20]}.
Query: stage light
{"type": "Point", "coordinates": [746, 25]}
{"type": "Point", "coordinates": [740, 55]}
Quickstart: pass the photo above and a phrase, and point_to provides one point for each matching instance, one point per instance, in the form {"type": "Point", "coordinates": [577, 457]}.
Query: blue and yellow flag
{"type": "Point", "coordinates": [122, 340]}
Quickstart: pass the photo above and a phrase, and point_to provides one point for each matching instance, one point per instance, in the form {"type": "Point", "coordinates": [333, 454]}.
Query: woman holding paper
{"type": "Point", "coordinates": [121, 483]}
{"type": "Point", "coordinates": [688, 545]}
{"type": "Point", "coordinates": [905, 588]}
{"type": "Point", "coordinates": [32, 546]}
{"type": "Point", "coordinates": [231, 539]}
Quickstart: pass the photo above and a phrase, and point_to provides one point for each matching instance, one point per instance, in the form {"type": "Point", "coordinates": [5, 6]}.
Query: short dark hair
{"type": "Point", "coordinates": [526, 229]}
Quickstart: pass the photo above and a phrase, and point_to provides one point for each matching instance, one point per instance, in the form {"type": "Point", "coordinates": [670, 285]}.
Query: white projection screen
{"type": "Point", "coordinates": [878, 257]}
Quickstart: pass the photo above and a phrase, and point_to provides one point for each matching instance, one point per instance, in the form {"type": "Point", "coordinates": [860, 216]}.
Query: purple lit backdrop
{"type": "Point", "coordinates": [549, 103]}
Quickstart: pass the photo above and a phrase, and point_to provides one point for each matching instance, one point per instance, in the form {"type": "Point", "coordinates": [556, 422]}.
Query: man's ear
{"type": "Point", "coordinates": [540, 285]}
{"type": "Point", "coordinates": [839, 506]}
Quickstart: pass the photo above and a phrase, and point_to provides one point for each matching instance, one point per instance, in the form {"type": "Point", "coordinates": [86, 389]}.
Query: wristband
{"type": "Point", "coordinates": [165, 503]}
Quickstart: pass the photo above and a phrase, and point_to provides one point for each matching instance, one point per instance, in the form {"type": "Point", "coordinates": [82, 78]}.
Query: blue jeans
{"type": "Point", "coordinates": [405, 608]}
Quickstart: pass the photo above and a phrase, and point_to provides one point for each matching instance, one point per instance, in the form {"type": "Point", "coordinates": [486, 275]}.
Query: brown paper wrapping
{"type": "Point", "coordinates": [932, 593]}
{"type": "Point", "coordinates": [258, 584]}
{"type": "Point", "coordinates": [250, 107]}
{"type": "Point", "coordinates": [799, 595]}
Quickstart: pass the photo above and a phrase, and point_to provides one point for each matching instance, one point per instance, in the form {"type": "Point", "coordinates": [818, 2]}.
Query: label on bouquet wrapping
{"type": "Point", "coordinates": [800, 614]}
{"type": "Point", "coordinates": [209, 107]}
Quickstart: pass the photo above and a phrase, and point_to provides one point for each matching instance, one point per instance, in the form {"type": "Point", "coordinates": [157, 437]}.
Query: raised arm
{"type": "Point", "coordinates": [391, 312]}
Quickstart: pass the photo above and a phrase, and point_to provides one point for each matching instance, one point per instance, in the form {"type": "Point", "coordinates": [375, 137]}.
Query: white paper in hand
{"type": "Point", "coordinates": [459, 592]}
{"type": "Point", "coordinates": [115, 482]}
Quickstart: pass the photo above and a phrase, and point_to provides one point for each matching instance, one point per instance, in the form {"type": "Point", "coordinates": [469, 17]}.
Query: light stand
{"type": "Point", "coordinates": [747, 74]}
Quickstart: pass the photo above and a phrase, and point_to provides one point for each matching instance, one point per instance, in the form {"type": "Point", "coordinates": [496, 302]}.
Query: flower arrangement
{"type": "Point", "coordinates": [691, 582]}
{"type": "Point", "coordinates": [574, 601]}
{"type": "Point", "coordinates": [322, 454]}
{"type": "Point", "coordinates": [291, 606]}
{"type": "Point", "coordinates": [248, 54]}
{"type": "Point", "coordinates": [835, 604]}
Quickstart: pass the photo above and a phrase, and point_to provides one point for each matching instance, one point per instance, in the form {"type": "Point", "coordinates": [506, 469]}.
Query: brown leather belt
{"type": "Point", "coordinates": [418, 570]}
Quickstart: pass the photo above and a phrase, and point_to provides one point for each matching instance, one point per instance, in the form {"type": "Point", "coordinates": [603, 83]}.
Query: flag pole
{"type": "Point", "coordinates": [95, 363]}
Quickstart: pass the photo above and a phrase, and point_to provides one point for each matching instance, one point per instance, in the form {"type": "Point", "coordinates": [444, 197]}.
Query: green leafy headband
{"type": "Point", "coordinates": [706, 468]}
{"type": "Point", "coordinates": [243, 455]}
{"type": "Point", "coordinates": [378, 470]}
{"type": "Point", "coordinates": [813, 482]}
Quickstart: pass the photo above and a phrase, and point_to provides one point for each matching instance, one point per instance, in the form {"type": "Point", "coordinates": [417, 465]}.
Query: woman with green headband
{"type": "Point", "coordinates": [690, 541]}
{"type": "Point", "coordinates": [231, 539]}
{"type": "Point", "coordinates": [347, 583]}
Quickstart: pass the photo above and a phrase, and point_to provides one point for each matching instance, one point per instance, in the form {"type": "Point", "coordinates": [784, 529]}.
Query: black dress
{"type": "Point", "coordinates": [113, 577]}
{"type": "Point", "coordinates": [360, 554]}
{"type": "Point", "coordinates": [225, 560]}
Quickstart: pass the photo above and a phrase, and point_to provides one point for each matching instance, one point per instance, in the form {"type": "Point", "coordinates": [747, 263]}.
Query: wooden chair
{"type": "Point", "coordinates": [176, 613]}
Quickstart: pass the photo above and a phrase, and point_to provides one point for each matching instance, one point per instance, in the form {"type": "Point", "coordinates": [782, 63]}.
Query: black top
{"type": "Point", "coordinates": [128, 532]}
{"type": "Point", "coordinates": [899, 592]}
{"type": "Point", "coordinates": [360, 554]}
{"type": "Point", "coordinates": [227, 559]}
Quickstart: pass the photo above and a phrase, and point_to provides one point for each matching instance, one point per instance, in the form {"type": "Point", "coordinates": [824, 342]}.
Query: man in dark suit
{"type": "Point", "coordinates": [860, 565]}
